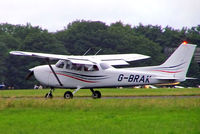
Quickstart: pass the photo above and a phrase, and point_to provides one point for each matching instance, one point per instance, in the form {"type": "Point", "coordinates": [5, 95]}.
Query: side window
{"type": "Point", "coordinates": [77, 67]}
{"type": "Point", "coordinates": [91, 68]}
{"type": "Point", "coordinates": [95, 68]}
{"type": "Point", "coordinates": [68, 65]}
{"type": "Point", "coordinates": [86, 68]}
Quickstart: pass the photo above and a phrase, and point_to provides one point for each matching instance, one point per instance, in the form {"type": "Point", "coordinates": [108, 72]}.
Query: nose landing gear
{"type": "Point", "coordinates": [49, 94]}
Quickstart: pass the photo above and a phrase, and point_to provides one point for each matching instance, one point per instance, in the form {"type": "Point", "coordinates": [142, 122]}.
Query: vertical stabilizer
{"type": "Point", "coordinates": [178, 63]}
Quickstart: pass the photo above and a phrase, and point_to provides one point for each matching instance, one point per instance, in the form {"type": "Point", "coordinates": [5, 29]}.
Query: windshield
{"type": "Point", "coordinates": [60, 64]}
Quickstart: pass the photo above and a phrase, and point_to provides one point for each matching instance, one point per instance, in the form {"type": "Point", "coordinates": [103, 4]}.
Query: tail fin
{"type": "Point", "coordinates": [178, 63]}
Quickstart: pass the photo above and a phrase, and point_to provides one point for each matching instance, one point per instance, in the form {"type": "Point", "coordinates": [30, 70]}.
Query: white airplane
{"type": "Point", "coordinates": [83, 72]}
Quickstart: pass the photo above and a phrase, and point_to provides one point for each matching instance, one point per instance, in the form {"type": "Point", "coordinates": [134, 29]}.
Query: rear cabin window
{"type": "Point", "coordinates": [91, 68]}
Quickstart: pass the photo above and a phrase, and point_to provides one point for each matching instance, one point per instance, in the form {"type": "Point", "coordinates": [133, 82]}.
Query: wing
{"type": "Point", "coordinates": [73, 59]}
{"type": "Point", "coordinates": [116, 59]}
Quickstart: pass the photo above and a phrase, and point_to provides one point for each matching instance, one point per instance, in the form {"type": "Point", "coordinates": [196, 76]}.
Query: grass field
{"type": "Point", "coordinates": [107, 116]}
{"type": "Point", "coordinates": [105, 92]}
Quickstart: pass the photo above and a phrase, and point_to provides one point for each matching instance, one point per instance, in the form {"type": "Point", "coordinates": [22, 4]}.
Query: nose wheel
{"type": "Point", "coordinates": [49, 94]}
{"type": "Point", "coordinates": [95, 94]}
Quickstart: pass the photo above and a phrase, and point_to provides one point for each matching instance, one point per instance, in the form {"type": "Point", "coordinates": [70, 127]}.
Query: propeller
{"type": "Point", "coordinates": [28, 76]}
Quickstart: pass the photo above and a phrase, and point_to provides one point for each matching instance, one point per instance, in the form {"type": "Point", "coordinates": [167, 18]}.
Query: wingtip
{"type": "Point", "coordinates": [16, 52]}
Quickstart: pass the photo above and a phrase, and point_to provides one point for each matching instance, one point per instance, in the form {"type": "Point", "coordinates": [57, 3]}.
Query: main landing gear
{"type": "Point", "coordinates": [69, 95]}
{"type": "Point", "coordinates": [95, 94]}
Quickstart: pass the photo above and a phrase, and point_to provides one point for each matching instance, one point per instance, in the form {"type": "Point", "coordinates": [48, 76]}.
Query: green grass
{"type": "Point", "coordinates": [105, 92]}
{"type": "Point", "coordinates": [113, 116]}
{"type": "Point", "coordinates": [101, 116]}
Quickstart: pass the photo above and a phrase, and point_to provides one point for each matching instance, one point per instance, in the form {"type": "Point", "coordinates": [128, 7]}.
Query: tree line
{"type": "Point", "coordinates": [77, 37]}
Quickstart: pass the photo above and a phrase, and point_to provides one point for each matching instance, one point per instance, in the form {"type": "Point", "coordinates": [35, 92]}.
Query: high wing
{"type": "Point", "coordinates": [113, 59]}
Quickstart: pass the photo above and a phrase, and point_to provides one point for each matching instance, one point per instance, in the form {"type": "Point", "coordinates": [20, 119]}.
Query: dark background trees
{"type": "Point", "coordinates": [79, 36]}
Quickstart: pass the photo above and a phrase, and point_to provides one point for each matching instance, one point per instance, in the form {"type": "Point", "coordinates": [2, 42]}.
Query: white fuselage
{"type": "Point", "coordinates": [110, 77]}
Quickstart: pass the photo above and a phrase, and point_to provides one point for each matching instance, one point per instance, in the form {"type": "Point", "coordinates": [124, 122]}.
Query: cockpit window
{"type": "Point", "coordinates": [60, 64]}
{"type": "Point", "coordinates": [104, 66]}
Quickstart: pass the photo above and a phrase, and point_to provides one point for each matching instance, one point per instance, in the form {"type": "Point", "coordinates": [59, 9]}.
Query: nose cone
{"type": "Point", "coordinates": [41, 73]}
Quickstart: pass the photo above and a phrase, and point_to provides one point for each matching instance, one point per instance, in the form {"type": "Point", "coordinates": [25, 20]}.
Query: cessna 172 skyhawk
{"type": "Point", "coordinates": [81, 72]}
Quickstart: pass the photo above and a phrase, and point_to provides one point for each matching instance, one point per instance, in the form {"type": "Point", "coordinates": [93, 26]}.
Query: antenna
{"type": "Point", "coordinates": [86, 51]}
{"type": "Point", "coordinates": [98, 51]}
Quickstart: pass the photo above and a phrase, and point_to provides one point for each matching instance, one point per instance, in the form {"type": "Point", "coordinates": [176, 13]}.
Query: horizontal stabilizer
{"type": "Point", "coordinates": [190, 78]}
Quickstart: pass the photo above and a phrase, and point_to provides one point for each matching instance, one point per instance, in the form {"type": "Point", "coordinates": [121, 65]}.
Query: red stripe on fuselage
{"type": "Point", "coordinates": [168, 71]}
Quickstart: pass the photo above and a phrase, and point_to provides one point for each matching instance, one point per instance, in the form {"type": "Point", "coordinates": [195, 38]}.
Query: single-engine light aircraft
{"type": "Point", "coordinates": [97, 71]}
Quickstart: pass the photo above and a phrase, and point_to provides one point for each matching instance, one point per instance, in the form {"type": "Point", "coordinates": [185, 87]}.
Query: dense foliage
{"type": "Point", "coordinates": [79, 36]}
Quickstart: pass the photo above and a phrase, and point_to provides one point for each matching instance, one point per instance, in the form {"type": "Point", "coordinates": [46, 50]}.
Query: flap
{"type": "Point", "coordinates": [125, 57]}
{"type": "Point", "coordinates": [116, 62]}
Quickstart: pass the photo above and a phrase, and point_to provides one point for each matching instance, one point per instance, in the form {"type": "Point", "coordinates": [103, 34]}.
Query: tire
{"type": "Point", "coordinates": [96, 95]}
{"type": "Point", "coordinates": [68, 95]}
{"type": "Point", "coordinates": [49, 95]}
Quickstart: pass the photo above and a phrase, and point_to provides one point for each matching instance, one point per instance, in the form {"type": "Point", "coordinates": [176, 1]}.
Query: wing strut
{"type": "Point", "coordinates": [98, 51]}
{"type": "Point", "coordinates": [47, 59]}
{"type": "Point", "coordinates": [86, 51]}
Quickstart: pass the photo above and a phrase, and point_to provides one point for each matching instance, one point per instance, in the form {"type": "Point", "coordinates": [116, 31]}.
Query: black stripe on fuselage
{"type": "Point", "coordinates": [86, 77]}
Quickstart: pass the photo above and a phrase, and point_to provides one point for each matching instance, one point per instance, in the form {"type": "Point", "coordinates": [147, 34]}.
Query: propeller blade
{"type": "Point", "coordinates": [29, 75]}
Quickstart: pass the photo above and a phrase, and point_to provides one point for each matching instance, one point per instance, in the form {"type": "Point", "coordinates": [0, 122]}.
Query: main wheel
{"type": "Point", "coordinates": [68, 95]}
{"type": "Point", "coordinates": [96, 95]}
{"type": "Point", "coordinates": [49, 95]}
